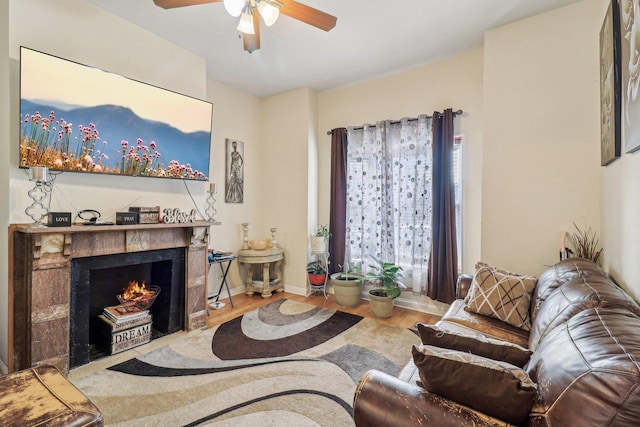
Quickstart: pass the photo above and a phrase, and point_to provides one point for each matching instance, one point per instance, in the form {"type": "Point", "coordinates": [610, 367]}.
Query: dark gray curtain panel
{"type": "Point", "coordinates": [337, 213]}
{"type": "Point", "coordinates": [443, 261]}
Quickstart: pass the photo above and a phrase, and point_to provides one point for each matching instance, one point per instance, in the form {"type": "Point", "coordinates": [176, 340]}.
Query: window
{"type": "Point", "coordinates": [457, 180]}
{"type": "Point", "coordinates": [389, 206]}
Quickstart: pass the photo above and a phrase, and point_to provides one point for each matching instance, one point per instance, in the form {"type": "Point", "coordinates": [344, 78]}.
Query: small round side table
{"type": "Point", "coordinates": [270, 261]}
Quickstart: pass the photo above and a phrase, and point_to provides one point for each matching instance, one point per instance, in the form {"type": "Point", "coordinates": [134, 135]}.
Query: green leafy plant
{"type": "Point", "coordinates": [585, 243]}
{"type": "Point", "coordinates": [354, 273]}
{"type": "Point", "coordinates": [316, 267]}
{"type": "Point", "coordinates": [388, 275]}
{"type": "Point", "coordinates": [323, 231]}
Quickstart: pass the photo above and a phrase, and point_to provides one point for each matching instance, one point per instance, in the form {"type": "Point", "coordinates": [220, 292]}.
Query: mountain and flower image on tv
{"type": "Point", "coordinates": [46, 140]}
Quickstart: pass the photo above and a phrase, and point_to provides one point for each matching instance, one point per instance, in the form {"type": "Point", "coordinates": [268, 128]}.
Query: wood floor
{"type": "Point", "coordinates": [244, 303]}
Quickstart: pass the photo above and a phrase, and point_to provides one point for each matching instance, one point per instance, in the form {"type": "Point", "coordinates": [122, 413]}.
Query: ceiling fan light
{"type": "Point", "coordinates": [268, 12]}
{"type": "Point", "coordinates": [234, 7]}
{"type": "Point", "coordinates": [246, 22]}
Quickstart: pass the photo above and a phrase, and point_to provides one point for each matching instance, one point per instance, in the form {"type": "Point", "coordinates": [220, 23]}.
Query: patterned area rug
{"type": "Point", "coordinates": [285, 364]}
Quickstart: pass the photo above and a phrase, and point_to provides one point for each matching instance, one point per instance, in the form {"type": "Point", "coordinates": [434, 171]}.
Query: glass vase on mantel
{"type": "Point", "coordinates": [245, 235]}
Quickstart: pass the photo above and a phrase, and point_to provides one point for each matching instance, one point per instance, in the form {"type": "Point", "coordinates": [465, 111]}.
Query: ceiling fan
{"type": "Point", "coordinates": [248, 11]}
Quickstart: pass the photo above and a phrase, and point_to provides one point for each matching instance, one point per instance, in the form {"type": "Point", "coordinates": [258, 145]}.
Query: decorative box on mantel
{"type": "Point", "coordinates": [40, 261]}
{"type": "Point", "coordinates": [147, 215]}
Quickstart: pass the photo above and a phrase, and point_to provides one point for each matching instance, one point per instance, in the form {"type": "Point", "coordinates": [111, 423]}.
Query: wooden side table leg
{"type": "Point", "coordinates": [248, 283]}
{"type": "Point", "coordinates": [266, 290]}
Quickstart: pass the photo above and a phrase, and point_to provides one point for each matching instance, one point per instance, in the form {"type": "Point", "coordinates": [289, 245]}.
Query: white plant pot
{"type": "Point", "coordinates": [318, 244]}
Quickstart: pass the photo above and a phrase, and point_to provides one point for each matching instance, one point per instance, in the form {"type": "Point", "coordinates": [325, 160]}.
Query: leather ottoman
{"type": "Point", "coordinates": [42, 396]}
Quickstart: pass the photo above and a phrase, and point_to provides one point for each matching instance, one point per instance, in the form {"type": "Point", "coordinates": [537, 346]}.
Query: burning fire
{"type": "Point", "coordinates": [137, 292]}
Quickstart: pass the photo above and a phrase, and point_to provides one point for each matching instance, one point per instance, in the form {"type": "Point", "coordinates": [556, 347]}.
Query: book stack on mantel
{"type": "Point", "coordinates": [128, 326]}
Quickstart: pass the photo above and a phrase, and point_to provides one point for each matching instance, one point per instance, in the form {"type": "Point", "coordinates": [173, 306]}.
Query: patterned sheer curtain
{"type": "Point", "coordinates": [389, 196]}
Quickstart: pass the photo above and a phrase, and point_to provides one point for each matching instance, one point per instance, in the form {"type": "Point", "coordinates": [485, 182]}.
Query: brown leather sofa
{"type": "Point", "coordinates": [585, 342]}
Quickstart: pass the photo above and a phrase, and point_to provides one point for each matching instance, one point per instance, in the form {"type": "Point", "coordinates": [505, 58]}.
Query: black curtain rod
{"type": "Point", "coordinates": [395, 122]}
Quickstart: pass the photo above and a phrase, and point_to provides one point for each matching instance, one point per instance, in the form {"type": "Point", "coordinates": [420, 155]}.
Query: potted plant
{"type": "Point", "coordinates": [347, 287]}
{"type": "Point", "coordinates": [387, 275]}
{"type": "Point", "coordinates": [320, 239]}
{"type": "Point", "coordinates": [585, 242]}
{"type": "Point", "coordinates": [317, 273]}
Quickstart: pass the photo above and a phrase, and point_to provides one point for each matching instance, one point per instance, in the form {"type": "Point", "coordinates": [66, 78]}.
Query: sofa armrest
{"type": "Point", "coordinates": [463, 285]}
{"type": "Point", "coordinates": [384, 400]}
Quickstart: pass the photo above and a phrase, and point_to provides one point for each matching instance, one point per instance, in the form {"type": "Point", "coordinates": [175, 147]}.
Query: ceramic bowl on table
{"type": "Point", "coordinates": [259, 245]}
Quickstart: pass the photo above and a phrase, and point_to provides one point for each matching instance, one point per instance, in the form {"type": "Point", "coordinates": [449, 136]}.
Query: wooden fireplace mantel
{"type": "Point", "coordinates": [39, 279]}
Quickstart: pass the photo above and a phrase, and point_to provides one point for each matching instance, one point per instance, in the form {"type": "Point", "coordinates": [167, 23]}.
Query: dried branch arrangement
{"type": "Point", "coordinates": [585, 243]}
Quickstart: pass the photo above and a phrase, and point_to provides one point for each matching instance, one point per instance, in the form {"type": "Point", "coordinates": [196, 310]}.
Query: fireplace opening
{"type": "Point", "coordinates": [96, 282]}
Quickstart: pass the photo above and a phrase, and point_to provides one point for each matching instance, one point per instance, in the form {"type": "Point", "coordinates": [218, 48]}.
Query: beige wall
{"type": "Point", "coordinates": [620, 208]}
{"type": "Point", "coordinates": [287, 129]}
{"type": "Point", "coordinates": [453, 83]}
{"type": "Point", "coordinates": [530, 132]}
{"type": "Point", "coordinates": [134, 53]}
{"type": "Point", "coordinates": [129, 51]}
{"type": "Point", "coordinates": [541, 135]}
{"type": "Point", "coordinates": [5, 102]}
{"type": "Point", "coordinates": [620, 224]}
{"type": "Point", "coordinates": [236, 116]}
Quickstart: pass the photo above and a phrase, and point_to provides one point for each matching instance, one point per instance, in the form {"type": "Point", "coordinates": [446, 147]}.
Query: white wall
{"type": "Point", "coordinates": [541, 160]}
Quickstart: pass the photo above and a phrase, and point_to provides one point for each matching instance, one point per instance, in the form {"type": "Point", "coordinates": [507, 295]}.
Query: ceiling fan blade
{"type": "Point", "coordinates": [307, 14]}
{"type": "Point", "coordinates": [251, 42]}
{"type": "Point", "coordinates": [170, 4]}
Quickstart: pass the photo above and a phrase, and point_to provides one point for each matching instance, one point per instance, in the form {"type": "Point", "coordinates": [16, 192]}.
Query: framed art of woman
{"type": "Point", "coordinates": [234, 191]}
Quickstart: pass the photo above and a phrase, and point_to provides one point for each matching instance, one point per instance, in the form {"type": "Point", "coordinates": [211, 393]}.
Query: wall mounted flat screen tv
{"type": "Point", "coordinates": [79, 118]}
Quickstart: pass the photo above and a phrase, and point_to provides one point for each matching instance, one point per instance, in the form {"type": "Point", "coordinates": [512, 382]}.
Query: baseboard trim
{"type": "Point", "coordinates": [427, 305]}
{"type": "Point", "coordinates": [420, 303]}
{"type": "Point", "coordinates": [423, 304]}
{"type": "Point", "coordinates": [287, 288]}
{"type": "Point", "coordinates": [298, 290]}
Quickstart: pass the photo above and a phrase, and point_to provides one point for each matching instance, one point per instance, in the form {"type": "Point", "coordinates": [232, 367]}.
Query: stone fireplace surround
{"type": "Point", "coordinates": [40, 277]}
{"type": "Point", "coordinates": [95, 284]}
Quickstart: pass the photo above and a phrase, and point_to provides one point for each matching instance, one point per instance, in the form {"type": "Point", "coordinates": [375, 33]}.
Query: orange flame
{"type": "Point", "coordinates": [137, 291]}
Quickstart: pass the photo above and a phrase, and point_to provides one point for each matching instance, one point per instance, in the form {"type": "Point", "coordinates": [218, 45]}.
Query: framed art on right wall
{"type": "Point", "coordinates": [629, 33]}
{"type": "Point", "coordinates": [610, 100]}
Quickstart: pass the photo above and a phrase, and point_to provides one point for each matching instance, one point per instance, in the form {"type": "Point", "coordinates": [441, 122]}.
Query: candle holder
{"type": "Point", "coordinates": [245, 235]}
{"type": "Point", "coordinates": [274, 244]}
{"type": "Point", "coordinates": [40, 194]}
{"type": "Point", "coordinates": [211, 208]}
